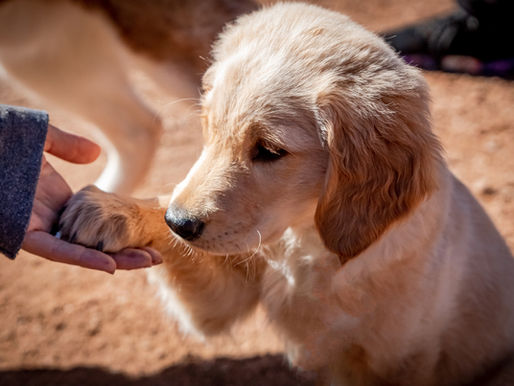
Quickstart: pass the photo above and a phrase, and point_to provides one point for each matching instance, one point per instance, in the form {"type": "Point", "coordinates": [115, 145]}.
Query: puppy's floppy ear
{"type": "Point", "coordinates": [383, 160]}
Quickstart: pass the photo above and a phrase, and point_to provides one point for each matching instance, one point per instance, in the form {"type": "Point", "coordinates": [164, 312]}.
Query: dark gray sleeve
{"type": "Point", "coordinates": [22, 139]}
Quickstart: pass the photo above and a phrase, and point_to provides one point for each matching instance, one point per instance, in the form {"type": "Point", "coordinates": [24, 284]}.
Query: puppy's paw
{"type": "Point", "coordinates": [101, 220]}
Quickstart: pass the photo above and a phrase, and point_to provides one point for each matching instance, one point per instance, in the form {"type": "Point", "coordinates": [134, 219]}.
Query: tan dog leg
{"type": "Point", "coordinates": [212, 291]}
{"type": "Point", "coordinates": [74, 61]}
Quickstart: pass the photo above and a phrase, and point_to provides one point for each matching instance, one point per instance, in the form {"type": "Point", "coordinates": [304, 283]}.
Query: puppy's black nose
{"type": "Point", "coordinates": [184, 225]}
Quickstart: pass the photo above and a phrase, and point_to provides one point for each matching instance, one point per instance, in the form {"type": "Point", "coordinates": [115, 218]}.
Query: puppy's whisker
{"type": "Point", "coordinates": [247, 259]}
{"type": "Point", "coordinates": [258, 245]}
{"type": "Point", "coordinates": [260, 240]}
{"type": "Point", "coordinates": [180, 100]}
{"type": "Point", "coordinates": [185, 115]}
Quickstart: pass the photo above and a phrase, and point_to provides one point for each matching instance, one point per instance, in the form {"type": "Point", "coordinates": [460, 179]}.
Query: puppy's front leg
{"type": "Point", "coordinates": [208, 293]}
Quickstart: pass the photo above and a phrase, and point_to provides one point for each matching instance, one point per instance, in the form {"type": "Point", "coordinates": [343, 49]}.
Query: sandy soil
{"type": "Point", "coordinates": [63, 325]}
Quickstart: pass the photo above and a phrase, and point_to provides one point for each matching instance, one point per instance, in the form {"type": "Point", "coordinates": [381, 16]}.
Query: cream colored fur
{"type": "Point", "coordinates": [71, 57]}
{"type": "Point", "coordinates": [372, 260]}
{"type": "Point", "coordinates": [73, 60]}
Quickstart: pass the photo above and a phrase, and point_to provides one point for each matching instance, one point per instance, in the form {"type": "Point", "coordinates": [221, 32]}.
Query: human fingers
{"type": "Point", "coordinates": [134, 258]}
{"type": "Point", "coordinates": [70, 147]}
{"type": "Point", "coordinates": [156, 255]}
{"type": "Point", "coordinates": [45, 245]}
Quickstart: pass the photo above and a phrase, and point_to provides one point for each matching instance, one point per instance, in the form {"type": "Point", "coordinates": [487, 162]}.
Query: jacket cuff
{"type": "Point", "coordinates": [22, 140]}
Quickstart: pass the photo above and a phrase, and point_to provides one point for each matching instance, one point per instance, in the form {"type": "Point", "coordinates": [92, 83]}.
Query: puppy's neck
{"type": "Point", "coordinates": [392, 264]}
{"type": "Point", "coordinates": [401, 239]}
{"type": "Point", "coordinates": [302, 246]}
{"type": "Point", "coordinates": [409, 236]}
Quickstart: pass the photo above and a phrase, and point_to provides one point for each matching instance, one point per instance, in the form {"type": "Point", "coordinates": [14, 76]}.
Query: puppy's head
{"type": "Point", "coordinates": [306, 116]}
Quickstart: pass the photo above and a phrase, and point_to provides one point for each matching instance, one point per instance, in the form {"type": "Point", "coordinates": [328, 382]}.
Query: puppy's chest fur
{"type": "Point", "coordinates": [334, 315]}
{"type": "Point", "coordinates": [297, 293]}
{"type": "Point", "coordinates": [319, 317]}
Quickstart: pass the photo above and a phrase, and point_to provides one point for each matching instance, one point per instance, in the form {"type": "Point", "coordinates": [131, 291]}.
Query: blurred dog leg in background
{"type": "Point", "coordinates": [77, 55]}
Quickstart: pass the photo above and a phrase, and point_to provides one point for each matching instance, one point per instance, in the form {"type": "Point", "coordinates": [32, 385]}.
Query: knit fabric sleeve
{"type": "Point", "coordinates": [22, 139]}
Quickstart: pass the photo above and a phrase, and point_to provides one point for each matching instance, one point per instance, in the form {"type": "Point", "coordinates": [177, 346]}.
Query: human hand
{"type": "Point", "coordinates": [52, 193]}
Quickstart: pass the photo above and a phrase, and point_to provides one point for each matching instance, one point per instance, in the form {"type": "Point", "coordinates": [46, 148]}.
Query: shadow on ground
{"type": "Point", "coordinates": [269, 370]}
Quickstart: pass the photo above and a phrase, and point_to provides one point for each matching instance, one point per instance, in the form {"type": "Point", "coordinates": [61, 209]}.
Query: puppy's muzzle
{"type": "Point", "coordinates": [183, 224]}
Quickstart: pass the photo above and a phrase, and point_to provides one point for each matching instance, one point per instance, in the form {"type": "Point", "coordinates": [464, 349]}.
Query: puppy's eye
{"type": "Point", "coordinates": [264, 153]}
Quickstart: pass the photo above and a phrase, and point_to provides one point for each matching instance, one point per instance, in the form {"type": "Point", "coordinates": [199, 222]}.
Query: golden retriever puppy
{"type": "Point", "coordinates": [77, 56]}
{"type": "Point", "coordinates": [322, 194]}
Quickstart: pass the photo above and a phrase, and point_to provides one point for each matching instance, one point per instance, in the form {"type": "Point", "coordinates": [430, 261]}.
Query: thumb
{"type": "Point", "coordinates": [70, 147]}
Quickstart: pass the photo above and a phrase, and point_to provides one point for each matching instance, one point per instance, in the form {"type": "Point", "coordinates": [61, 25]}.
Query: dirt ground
{"type": "Point", "coordinates": [62, 325]}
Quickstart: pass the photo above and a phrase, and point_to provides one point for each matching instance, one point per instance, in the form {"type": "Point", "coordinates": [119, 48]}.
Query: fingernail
{"type": "Point", "coordinates": [111, 267]}
{"type": "Point", "coordinates": [155, 255]}
{"type": "Point", "coordinates": [156, 259]}
{"type": "Point", "coordinates": [98, 261]}
{"type": "Point", "coordinates": [144, 256]}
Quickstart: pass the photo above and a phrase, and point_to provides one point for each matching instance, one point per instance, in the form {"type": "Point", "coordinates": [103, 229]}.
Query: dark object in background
{"type": "Point", "coordinates": [476, 39]}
